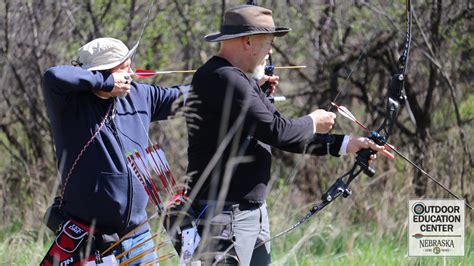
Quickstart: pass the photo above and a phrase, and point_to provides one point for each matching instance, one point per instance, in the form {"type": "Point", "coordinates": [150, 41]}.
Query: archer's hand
{"type": "Point", "coordinates": [323, 120]}
{"type": "Point", "coordinates": [356, 144]}
{"type": "Point", "coordinates": [122, 84]}
{"type": "Point", "coordinates": [273, 81]}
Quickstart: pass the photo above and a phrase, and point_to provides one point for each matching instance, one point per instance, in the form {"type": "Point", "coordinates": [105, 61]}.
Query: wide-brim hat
{"type": "Point", "coordinates": [246, 20]}
{"type": "Point", "coordinates": [104, 54]}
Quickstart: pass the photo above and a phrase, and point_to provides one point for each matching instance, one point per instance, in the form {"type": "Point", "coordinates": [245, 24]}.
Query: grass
{"type": "Point", "coordinates": [331, 238]}
{"type": "Point", "coordinates": [357, 246]}
{"type": "Point", "coordinates": [21, 248]}
{"type": "Point", "coordinates": [322, 241]}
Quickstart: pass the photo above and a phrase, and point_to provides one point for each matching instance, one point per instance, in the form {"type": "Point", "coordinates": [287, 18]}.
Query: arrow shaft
{"type": "Point", "coordinates": [129, 234]}
{"type": "Point", "coordinates": [148, 251]}
{"type": "Point", "coordinates": [362, 126]}
{"type": "Point", "coordinates": [350, 116]}
{"type": "Point", "coordinates": [289, 67]}
{"type": "Point", "coordinates": [153, 73]}
{"type": "Point", "coordinates": [137, 246]}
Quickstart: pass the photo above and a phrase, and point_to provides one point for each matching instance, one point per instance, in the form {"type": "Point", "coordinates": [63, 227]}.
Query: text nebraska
{"type": "Point", "coordinates": [436, 243]}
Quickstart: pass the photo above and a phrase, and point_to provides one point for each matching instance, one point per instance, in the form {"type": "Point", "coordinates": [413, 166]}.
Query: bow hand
{"type": "Point", "coordinates": [366, 150]}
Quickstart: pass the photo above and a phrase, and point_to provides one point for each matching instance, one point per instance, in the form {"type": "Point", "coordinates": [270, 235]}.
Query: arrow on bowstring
{"type": "Point", "coordinates": [348, 114]}
{"type": "Point", "coordinates": [145, 73]}
{"type": "Point", "coordinates": [288, 67]}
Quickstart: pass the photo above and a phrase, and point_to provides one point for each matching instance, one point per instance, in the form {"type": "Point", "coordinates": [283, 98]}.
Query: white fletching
{"type": "Point", "coordinates": [344, 112]}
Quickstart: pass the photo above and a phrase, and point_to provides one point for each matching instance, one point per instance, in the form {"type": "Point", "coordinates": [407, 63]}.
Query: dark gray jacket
{"type": "Point", "coordinates": [223, 96]}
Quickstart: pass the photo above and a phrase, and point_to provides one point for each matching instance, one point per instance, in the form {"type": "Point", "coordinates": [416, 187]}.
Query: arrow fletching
{"type": "Point", "coordinates": [344, 112]}
{"type": "Point", "coordinates": [143, 73]}
{"type": "Point", "coordinates": [348, 114]}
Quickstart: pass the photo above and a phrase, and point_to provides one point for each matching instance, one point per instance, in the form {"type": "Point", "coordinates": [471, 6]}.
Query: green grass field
{"type": "Point", "coordinates": [311, 244]}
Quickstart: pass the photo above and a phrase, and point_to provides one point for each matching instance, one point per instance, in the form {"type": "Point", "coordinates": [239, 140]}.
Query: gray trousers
{"type": "Point", "coordinates": [236, 231]}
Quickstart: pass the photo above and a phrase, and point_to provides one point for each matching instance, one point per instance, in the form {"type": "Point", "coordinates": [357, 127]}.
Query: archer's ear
{"type": "Point", "coordinates": [246, 42]}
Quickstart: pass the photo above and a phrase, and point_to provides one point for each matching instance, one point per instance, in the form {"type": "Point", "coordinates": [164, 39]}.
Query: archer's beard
{"type": "Point", "coordinates": [259, 71]}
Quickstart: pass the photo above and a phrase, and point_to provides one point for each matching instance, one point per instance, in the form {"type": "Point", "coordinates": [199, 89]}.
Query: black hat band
{"type": "Point", "coordinates": [235, 29]}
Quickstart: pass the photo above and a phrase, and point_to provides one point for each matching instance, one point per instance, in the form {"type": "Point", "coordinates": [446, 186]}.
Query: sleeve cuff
{"type": "Point", "coordinates": [109, 83]}
{"type": "Point", "coordinates": [322, 144]}
{"type": "Point", "coordinates": [184, 90]}
{"type": "Point", "coordinates": [345, 142]}
{"type": "Point", "coordinates": [314, 124]}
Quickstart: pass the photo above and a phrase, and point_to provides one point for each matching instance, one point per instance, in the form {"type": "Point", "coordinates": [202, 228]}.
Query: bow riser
{"type": "Point", "coordinates": [395, 101]}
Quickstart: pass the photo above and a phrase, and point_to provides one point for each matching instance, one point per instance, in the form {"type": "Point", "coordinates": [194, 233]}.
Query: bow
{"type": "Point", "coordinates": [395, 101]}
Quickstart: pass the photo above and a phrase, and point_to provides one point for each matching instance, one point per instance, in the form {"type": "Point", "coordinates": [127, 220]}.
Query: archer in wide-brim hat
{"type": "Point", "coordinates": [246, 20]}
